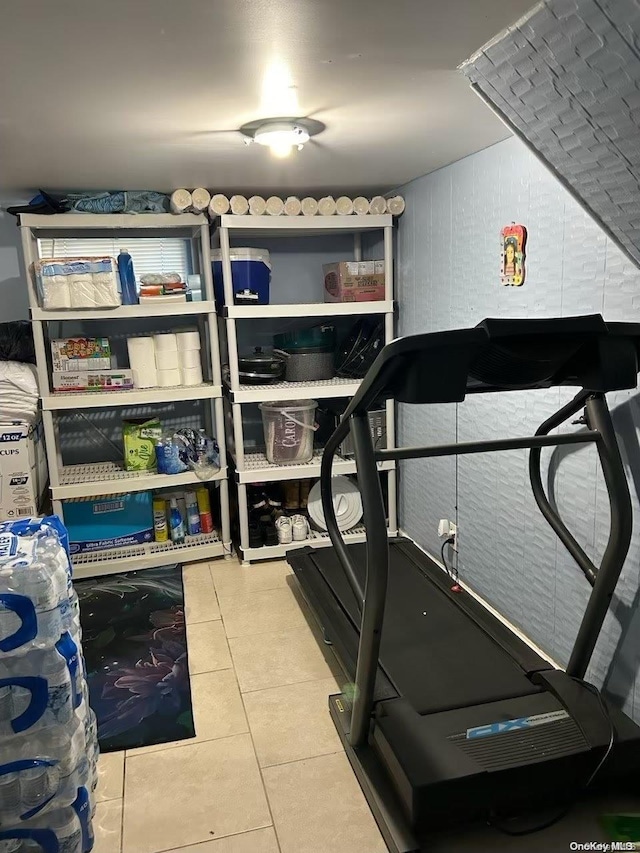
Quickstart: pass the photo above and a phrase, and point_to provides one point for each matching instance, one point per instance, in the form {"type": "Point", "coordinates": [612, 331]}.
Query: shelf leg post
{"type": "Point", "coordinates": [243, 513]}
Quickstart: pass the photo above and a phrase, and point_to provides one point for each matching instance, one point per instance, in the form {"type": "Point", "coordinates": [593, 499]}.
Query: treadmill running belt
{"type": "Point", "coordinates": [427, 639]}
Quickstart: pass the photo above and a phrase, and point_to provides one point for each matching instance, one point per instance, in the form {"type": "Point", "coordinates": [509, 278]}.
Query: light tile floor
{"type": "Point", "coordinates": [266, 772]}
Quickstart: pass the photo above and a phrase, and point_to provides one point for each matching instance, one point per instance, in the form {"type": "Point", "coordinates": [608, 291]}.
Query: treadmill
{"type": "Point", "coordinates": [449, 717]}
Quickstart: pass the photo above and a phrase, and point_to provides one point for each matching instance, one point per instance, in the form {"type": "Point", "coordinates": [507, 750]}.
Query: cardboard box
{"type": "Point", "coordinates": [110, 521]}
{"type": "Point", "coordinates": [80, 354]}
{"type": "Point", "coordinates": [23, 469]}
{"type": "Point", "coordinates": [139, 437]}
{"type": "Point", "coordinates": [92, 380]}
{"type": "Point", "coordinates": [354, 281]}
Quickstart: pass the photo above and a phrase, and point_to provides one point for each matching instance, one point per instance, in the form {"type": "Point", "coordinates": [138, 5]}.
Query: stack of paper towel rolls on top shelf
{"type": "Point", "coordinates": [166, 359]}
{"type": "Point", "coordinates": [198, 200]}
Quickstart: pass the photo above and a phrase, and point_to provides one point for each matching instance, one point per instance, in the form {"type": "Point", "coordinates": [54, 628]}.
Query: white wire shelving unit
{"type": "Point", "coordinates": [252, 467]}
{"type": "Point", "coordinates": [109, 478]}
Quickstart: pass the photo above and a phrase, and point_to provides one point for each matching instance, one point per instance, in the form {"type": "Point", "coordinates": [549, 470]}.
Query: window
{"type": "Point", "coordinates": [149, 254]}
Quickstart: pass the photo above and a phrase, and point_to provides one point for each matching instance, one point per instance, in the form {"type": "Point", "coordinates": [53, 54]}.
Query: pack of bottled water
{"type": "Point", "coordinates": [48, 732]}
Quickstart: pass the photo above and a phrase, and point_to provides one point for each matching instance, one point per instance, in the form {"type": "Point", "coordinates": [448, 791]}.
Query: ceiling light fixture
{"type": "Point", "coordinates": [281, 135]}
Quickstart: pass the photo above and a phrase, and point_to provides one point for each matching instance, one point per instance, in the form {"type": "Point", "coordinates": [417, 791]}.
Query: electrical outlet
{"type": "Point", "coordinates": [448, 529]}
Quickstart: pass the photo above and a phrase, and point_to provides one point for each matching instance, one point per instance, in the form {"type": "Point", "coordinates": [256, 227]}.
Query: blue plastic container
{"type": "Point", "coordinates": [127, 278]}
{"type": "Point", "coordinates": [250, 275]}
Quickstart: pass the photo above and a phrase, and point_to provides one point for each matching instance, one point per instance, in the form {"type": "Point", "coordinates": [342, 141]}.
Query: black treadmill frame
{"type": "Point", "coordinates": [600, 358]}
{"type": "Point", "coordinates": [603, 579]}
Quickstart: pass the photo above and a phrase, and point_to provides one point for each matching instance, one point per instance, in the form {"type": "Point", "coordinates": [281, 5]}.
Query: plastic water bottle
{"type": "Point", "coordinates": [42, 771]}
{"type": "Point", "coordinates": [127, 278]}
{"type": "Point", "coordinates": [65, 830]}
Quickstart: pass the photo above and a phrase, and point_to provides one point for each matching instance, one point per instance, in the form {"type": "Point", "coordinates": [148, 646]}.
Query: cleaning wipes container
{"type": "Point", "coordinates": [250, 275]}
{"type": "Point", "coordinates": [288, 431]}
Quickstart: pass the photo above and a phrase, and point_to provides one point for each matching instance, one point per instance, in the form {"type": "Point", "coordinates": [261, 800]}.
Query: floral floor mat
{"type": "Point", "coordinates": [135, 647]}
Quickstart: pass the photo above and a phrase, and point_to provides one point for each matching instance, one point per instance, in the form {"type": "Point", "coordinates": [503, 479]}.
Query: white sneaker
{"type": "Point", "coordinates": [300, 528]}
{"type": "Point", "coordinates": [284, 528]}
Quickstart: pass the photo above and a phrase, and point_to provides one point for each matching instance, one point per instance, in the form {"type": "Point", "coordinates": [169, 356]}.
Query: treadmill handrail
{"type": "Point", "coordinates": [535, 476]}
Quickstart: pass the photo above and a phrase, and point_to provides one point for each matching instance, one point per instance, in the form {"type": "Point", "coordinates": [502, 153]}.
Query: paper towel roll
{"type": "Point", "coordinates": [275, 205]}
{"type": "Point", "coordinates": [55, 292]}
{"type": "Point", "coordinates": [239, 205]}
{"type": "Point", "coordinates": [146, 377]}
{"type": "Point", "coordinates": [167, 360]}
{"type": "Point", "coordinates": [292, 206]}
{"type": "Point", "coordinates": [142, 361]}
{"type": "Point", "coordinates": [189, 358]}
{"type": "Point", "coordinates": [191, 375]}
{"type": "Point", "coordinates": [187, 340]}
{"type": "Point", "coordinates": [180, 201]}
{"type": "Point", "coordinates": [200, 199]}
{"type": "Point", "coordinates": [360, 205]}
{"type": "Point", "coordinates": [166, 378]}
{"type": "Point", "coordinates": [344, 205]}
{"type": "Point", "coordinates": [165, 342]}
{"type": "Point", "coordinates": [219, 205]}
{"type": "Point", "coordinates": [378, 205]}
{"type": "Point", "coordinates": [309, 206]}
{"type": "Point", "coordinates": [327, 206]}
{"type": "Point", "coordinates": [257, 205]}
{"type": "Point", "coordinates": [395, 205]}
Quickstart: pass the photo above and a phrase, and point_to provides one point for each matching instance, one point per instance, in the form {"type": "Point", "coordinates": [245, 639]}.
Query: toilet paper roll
{"type": "Point", "coordinates": [142, 361]}
{"type": "Point", "coordinates": [166, 378]}
{"type": "Point", "coordinates": [188, 340]}
{"type": "Point", "coordinates": [165, 342]}
{"type": "Point", "coordinates": [360, 205]}
{"type": "Point", "coordinates": [327, 206]}
{"type": "Point", "coordinates": [378, 205]}
{"type": "Point", "coordinates": [257, 205]}
{"type": "Point", "coordinates": [344, 206]}
{"type": "Point", "coordinates": [146, 377]}
{"type": "Point", "coordinates": [239, 205]}
{"type": "Point", "coordinates": [189, 358]}
{"type": "Point", "coordinates": [167, 360]}
{"type": "Point", "coordinates": [275, 206]}
{"type": "Point", "coordinates": [309, 206]}
{"type": "Point", "coordinates": [180, 201]}
{"type": "Point", "coordinates": [200, 199]}
{"type": "Point", "coordinates": [395, 205]}
{"type": "Point", "coordinates": [219, 205]}
{"type": "Point", "coordinates": [292, 206]}
{"type": "Point", "coordinates": [191, 375]}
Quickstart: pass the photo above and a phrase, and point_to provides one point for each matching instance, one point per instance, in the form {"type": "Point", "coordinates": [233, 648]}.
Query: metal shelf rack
{"type": "Point", "coordinates": [253, 467]}
{"type": "Point", "coordinates": [73, 481]}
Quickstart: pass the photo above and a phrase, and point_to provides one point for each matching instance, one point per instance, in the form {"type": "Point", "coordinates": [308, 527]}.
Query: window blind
{"type": "Point", "coordinates": [149, 254]}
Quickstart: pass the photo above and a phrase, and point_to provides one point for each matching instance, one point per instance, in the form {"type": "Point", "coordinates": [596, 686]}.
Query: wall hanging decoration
{"type": "Point", "coordinates": [512, 249]}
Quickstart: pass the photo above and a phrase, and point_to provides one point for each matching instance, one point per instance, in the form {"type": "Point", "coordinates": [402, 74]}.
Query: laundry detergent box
{"type": "Point", "coordinates": [354, 281]}
{"type": "Point", "coordinates": [23, 469]}
{"type": "Point", "coordinates": [139, 438]}
{"type": "Point", "coordinates": [109, 521]}
{"type": "Point", "coordinates": [80, 354]}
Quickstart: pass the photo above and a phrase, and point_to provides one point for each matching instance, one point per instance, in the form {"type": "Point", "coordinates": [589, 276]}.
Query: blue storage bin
{"type": "Point", "coordinates": [250, 274]}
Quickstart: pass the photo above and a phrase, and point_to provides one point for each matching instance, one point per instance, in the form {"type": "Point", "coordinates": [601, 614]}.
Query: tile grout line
{"type": "Point", "coordinates": [253, 745]}
{"type": "Point", "coordinates": [124, 783]}
{"type": "Point", "coordinates": [290, 684]}
{"type": "Point", "coordinates": [210, 840]}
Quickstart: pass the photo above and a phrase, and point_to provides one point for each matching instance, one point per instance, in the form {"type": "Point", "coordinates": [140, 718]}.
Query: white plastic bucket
{"type": "Point", "coordinates": [288, 431]}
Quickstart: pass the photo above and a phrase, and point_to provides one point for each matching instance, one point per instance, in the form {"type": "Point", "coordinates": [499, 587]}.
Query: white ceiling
{"type": "Point", "coordinates": [112, 94]}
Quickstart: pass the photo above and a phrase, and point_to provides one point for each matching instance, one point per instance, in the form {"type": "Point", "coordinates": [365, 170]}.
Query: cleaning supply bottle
{"type": "Point", "coordinates": [193, 514]}
{"type": "Point", "coordinates": [160, 529]}
{"type": "Point", "coordinates": [204, 507]}
{"type": "Point", "coordinates": [127, 278]}
{"type": "Point", "coordinates": [176, 523]}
